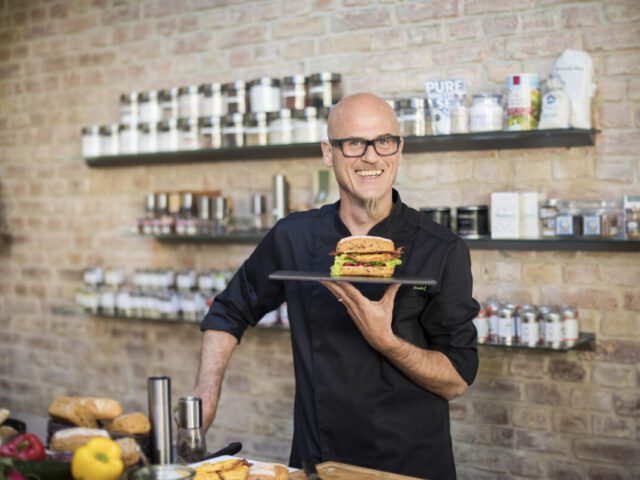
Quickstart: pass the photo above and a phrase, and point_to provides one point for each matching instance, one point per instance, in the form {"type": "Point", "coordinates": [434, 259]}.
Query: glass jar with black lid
{"type": "Point", "coordinates": [188, 101]}
{"type": "Point", "coordinates": [413, 115]}
{"type": "Point", "coordinates": [264, 95]}
{"type": "Point", "coordinates": [294, 92]}
{"type": "Point", "coordinates": [168, 99]}
{"type": "Point", "coordinates": [168, 135]}
{"type": "Point", "coordinates": [148, 107]}
{"type": "Point", "coordinates": [473, 221]}
{"type": "Point", "coordinates": [441, 215]}
{"type": "Point", "coordinates": [312, 126]}
{"type": "Point", "coordinates": [210, 132]}
{"type": "Point", "coordinates": [234, 97]}
{"type": "Point", "coordinates": [256, 128]}
{"type": "Point", "coordinates": [188, 133]}
{"type": "Point", "coordinates": [325, 89]}
{"type": "Point", "coordinates": [233, 130]}
{"type": "Point", "coordinates": [129, 108]}
{"type": "Point", "coordinates": [210, 100]}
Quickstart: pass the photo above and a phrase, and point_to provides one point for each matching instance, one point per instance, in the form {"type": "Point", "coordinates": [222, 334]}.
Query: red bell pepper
{"type": "Point", "coordinates": [24, 447]}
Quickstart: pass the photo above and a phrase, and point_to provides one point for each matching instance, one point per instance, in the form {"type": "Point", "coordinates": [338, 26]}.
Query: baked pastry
{"type": "Point", "coordinates": [130, 451]}
{"type": "Point", "coordinates": [72, 410]}
{"type": "Point", "coordinates": [70, 439]}
{"type": "Point", "coordinates": [267, 471]}
{"type": "Point", "coordinates": [231, 469]}
{"type": "Point", "coordinates": [101, 408]}
{"type": "Point", "coordinates": [4, 414]}
{"type": "Point", "coordinates": [129, 423]}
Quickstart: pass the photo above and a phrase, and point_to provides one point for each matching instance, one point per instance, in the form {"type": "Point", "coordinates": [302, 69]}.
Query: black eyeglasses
{"type": "Point", "coordinates": [384, 145]}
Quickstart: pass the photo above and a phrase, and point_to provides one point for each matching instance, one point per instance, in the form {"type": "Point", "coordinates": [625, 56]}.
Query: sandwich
{"type": "Point", "coordinates": [365, 256]}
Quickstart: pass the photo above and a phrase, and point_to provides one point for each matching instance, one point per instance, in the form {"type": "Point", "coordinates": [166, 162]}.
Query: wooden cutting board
{"type": "Point", "coordinates": [343, 471]}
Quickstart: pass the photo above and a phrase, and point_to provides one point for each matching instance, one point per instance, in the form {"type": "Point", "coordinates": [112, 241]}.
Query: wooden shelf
{"type": "Point", "coordinates": [551, 244]}
{"type": "Point", "coordinates": [586, 341]}
{"type": "Point", "coordinates": [432, 143]}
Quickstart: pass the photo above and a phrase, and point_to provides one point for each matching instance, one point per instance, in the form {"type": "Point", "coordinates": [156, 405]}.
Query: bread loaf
{"type": "Point", "coordinates": [129, 423]}
{"type": "Point", "coordinates": [267, 471]}
{"type": "Point", "coordinates": [70, 439]}
{"type": "Point", "coordinates": [130, 451]}
{"type": "Point", "coordinates": [72, 410]}
{"type": "Point", "coordinates": [101, 408]}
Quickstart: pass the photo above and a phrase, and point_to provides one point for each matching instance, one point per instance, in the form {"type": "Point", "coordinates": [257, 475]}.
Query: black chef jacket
{"type": "Point", "coordinates": [351, 404]}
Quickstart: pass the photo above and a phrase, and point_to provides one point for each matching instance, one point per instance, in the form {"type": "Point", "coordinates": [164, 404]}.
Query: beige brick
{"type": "Point", "coordinates": [458, 52]}
{"type": "Point", "coordinates": [632, 300]}
{"type": "Point", "coordinates": [388, 39]}
{"type": "Point", "coordinates": [622, 63]}
{"type": "Point", "coordinates": [539, 21]}
{"type": "Point", "coordinates": [165, 8]}
{"type": "Point", "coordinates": [622, 11]}
{"type": "Point", "coordinates": [122, 14]}
{"type": "Point", "coordinates": [474, 7]}
{"type": "Point", "coordinates": [613, 38]}
{"type": "Point", "coordinates": [609, 426]}
{"type": "Point", "coordinates": [541, 273]}
{"type": "Point", "coordinates": [570, 422]}
{"type": "Point", "coordinates": [462, 29]}
{"type": "Point", "coordinates": [615, 115]}
{"type": "Point", "coordinates": [420, 11]}
{"type": "Point", "coordinates": [612, 89]}
{"type": "Point", "coordinates": [360, 18]}
{"type": "Point", "coordinates": [580, 16]}
{"type": "Point", "coordinates": [244, 36]}
{"type": "Point", "coordinates": [545, 46]}
{"type": "Point", "coordinates": [352, 42]}
{"type": "Point", "coordinates": [614, 375]}
{"type": "Point", "coordinates": [498, 26]}
{"type": "Point", "coordinates": [299, 49]}
{"type": "Point", "coordinates": [585, 297]}
{"type": "Point", "coordinates": [619, 141]}
{"type": "Point", "coordinates": [296, 27]}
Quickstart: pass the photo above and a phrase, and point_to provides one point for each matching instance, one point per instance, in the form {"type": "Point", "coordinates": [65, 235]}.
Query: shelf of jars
{"type": "Point", "coordinates": [616, 244]}
{"type": "Point", "coordinates": [586, 341]}
{"type": "Point", "coordinates": [497, 140]}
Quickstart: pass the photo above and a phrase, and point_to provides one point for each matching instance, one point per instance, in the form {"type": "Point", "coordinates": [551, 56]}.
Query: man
{"type": "Point", "coordinates": [375, 366]}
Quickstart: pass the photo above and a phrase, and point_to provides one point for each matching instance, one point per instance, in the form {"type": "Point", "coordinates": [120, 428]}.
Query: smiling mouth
{"type": "Point", "coordinates": [368, 173]}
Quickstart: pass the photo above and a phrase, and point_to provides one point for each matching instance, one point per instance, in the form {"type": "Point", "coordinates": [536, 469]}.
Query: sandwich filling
{"type": "Point", "coordinates": [365, 255]}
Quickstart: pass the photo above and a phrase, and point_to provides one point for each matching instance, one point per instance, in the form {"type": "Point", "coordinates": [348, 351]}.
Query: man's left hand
{"type": "Point", "coordinates": [373, 318]}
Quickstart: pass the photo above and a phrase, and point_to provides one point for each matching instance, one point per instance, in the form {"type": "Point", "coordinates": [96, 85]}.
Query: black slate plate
{"type": "Point", "coordinates": [316, 276]}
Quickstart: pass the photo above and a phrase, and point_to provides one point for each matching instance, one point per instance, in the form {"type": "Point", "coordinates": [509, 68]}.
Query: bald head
{"type": "Point", "coordinates": [350, 116]}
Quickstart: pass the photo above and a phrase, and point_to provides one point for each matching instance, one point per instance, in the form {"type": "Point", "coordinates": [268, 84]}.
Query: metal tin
{"type": "Point", "coordinates": [210, 102]}
{"type": "Point", "coordinates": [553, 330]}
{"type": "Point", "coordinates": [210, 132]}
{"type": "Point", "coordinates": [482, 326]}
{"type": "Point", "coordinates": [473, 221]}
{"type": "Point", "coordinates": [294, 92]}
{"type": "Point", "coordinates": [256, 128]}
{"type": "Point", "coordinates": [506, 327]}
{"type": "Point", "coordinates": [570, 326]}
{"type": "Point", "coordinates": [530, 329]}
{"type": "Point", "coordinates": [233, 130]}
{"type": "Point", "coordinates": [413, 116]}
{"type": "Point", "coordinates": [492, 313]}
{"type": "Point", "coordinates": [188, 101]}
{"type": "Point", "coordinates": [441, 215]}
{"type": "Point", "coordinates": [234, 97]}
{"type": "Point", "coordinates": [325, 89]}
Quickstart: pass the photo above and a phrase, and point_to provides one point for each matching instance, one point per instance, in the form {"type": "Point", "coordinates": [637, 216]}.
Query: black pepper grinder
{"type": "Point", "coordinates": [192, 445]}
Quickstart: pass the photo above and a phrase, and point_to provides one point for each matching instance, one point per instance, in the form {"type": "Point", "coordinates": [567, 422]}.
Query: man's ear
{"type": "Point", "coordinates": [327, 155]}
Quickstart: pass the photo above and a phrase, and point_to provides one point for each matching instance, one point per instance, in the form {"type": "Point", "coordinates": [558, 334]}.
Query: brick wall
{"type": "Point", "coordinates": [63, 65]}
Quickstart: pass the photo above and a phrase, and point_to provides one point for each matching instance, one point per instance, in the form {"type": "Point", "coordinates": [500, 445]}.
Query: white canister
{"type": "Point", "coordinates": [91, 141]}
{"type": "Point", "coordinates": [485, 114]}
{"type": "Point", "coordinates": [264, 95]}
{"type": "Point", "coordinates": [523, 104]}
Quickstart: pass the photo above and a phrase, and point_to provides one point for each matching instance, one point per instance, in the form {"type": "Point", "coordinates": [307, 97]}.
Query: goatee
{"type": "Point", "coordinates": [371, 206]}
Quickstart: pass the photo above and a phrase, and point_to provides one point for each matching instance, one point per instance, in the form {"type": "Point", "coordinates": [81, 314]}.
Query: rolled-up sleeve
{"type": "Point", "coordinates": [250, 294]}
{"type": "Point", "coordinates": [448, 317]}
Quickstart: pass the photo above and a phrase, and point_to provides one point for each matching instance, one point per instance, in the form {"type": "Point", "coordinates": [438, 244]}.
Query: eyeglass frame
{"type": "Point", "coordinates": [367, 143]}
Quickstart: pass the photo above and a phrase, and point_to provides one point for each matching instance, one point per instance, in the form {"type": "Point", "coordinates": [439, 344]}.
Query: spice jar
{"type": "Point", "coordinates": [473, 221]}
{"type": "Point", "coordinates": [414, 116]}
{"type": "Point", "coordinates": [294, 92]}
{"type": "Point", "coordinates": [168, 100]}
{"type": "Point", "coordinates": [188, 133]}
{"type": "Point", "coordinates": [128, 138]}
{"type": "Point", "coordinates": [486, 113]}
{"type": "Point", "coordinates": [147, 137]}
{"type": "Point", "coordinates": [109, 139]}
{"type": "Point", "coordinates": [441, 215]}
{"type": "Point", "coordinates": [233, 130]}
{"type": "Point", "coordinates": [459, 116]}
{"type": "Point", "coordinates": [548, 214]}
{"type": "Point", "coordinates": [168, 135]}
{"type": "Point", "coordinates": [191, 445]}
{"type": "Point", "coordinates": [281, 127]}
{"type": "Point", "coordinates": [256, 128]}
{"type": "Point", "coordinates": [148, 107]}
{"type": "Point", "coordinates": [312, 126]}
{"type": "Point", "coordinates": [188, 101]}
{"type": "Point", "coordinates": [234, 97]}
{"type": "Point", "coordinates": [91, 141]}
{"type": "Point", "coordinates": [325, 89]}
{"type": "Point", "coordinates": [210, 132]}
{"type": "Point", "coordinates": [129, 108]}
{"type": "Point", "coordinates": [210, 100]}
{"type": "Point", "coordinates": [264, 95]}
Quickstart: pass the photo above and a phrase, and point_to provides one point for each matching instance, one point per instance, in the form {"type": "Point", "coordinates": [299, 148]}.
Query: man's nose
{"type": "Point", "coordinates": [370, 154]}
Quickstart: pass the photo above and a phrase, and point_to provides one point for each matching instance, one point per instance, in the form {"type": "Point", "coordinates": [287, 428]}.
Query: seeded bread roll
{"type": "Point", "coordinates": [72, 410]}
{"type": "Point", "coordinates": [70, 439]}
{"type": "Point", "coordinates": [267, 471]}
{"type": "Point", "coordinates": [101, 408]}
{"type": "Point", "coordinates": [130, 451]}
{"type": "Point", "coordinates": [129, 423]}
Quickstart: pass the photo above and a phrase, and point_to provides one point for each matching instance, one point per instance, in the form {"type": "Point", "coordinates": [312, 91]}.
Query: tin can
{"type": "Point", "coordinates": [530, 333]}
{"type": "Point", "coordinates": [523, 104]}
{"type": "Point", "coordinates": [570, 326]}
{"type": "Point", "coordinates": [553, 330]}
{"type": "Point", "coordinates": [482, 326]}
{"type": "Point", "coordinates": [543, 311]}
{"type": "Point", "coordinates": [506, 326]}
